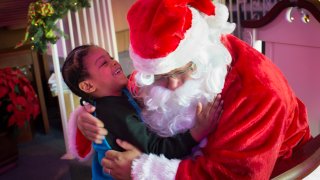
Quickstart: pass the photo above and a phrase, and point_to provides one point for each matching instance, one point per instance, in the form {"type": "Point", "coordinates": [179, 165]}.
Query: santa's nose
{"type": "Point", "coordinates": [174, 83]}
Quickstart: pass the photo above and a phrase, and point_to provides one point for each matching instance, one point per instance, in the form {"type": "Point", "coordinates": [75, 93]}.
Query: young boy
{"type": "Point", "coordinates": [93, 75]}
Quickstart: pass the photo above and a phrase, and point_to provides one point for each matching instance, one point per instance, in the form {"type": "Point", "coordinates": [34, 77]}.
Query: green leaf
{"type": "Point", "coordinates": [16, 89]}
{"type": "Point", "coordinates": [42, 28]}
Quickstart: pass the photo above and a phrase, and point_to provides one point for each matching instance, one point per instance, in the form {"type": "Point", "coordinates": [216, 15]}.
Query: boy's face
{"type": "Point", "coordinates": [106, 75]}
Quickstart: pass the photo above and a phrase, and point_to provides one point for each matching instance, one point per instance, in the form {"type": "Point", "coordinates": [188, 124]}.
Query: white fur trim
{"type": "Point", "coordinates": [219, 24]}
{"type": "Point", "coordinates": [154, 167]}
{"type": "Point", "coordinates": [187, 49]}
{"type": "Point", "coordinates": [72, 132]}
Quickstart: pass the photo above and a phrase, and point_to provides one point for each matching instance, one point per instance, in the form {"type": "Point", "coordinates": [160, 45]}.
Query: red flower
{"type": "Point", "coordinates": [3, 91]}
{"type": "Point", "coordinates": [18, 100]}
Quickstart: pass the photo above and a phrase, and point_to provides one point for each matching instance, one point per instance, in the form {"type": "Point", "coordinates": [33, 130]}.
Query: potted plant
{"type": "Point", "coordinates": [18, 105]}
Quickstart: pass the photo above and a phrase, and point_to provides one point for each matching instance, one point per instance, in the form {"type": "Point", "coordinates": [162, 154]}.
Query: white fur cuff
{"type": "Point", "coordinates": [72, 135]}
{"type": "Point", "coordinates": [154, 167]}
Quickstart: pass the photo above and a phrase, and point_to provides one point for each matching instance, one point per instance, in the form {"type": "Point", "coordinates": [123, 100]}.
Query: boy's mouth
{"type": "Point", "coordinates": [117, 71]}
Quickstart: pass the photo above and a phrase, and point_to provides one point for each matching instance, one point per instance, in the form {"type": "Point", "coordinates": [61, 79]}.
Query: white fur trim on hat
{"type": "Point", "coordinates": [154, 167]}
{"type": "Point", "coordinates": [72, 132]}
{"type": "Point", "coordinates": [187, 49]}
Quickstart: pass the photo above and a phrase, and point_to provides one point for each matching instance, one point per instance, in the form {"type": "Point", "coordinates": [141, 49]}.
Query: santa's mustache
{"type": "Point", "coordinates": [169, 112]}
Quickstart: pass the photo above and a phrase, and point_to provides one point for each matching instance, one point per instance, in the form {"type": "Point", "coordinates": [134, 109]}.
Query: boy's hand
{"type": "Point", "coordinates": [207, 118]}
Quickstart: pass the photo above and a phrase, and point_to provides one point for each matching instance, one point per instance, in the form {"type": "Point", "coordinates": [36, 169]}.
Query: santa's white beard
{"type": "Point", "coordinates": [170, 112]}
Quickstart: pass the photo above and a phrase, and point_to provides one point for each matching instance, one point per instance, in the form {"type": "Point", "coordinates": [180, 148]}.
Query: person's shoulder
{"type": "Point", "coordinates": [110, 104]}
{"type": "Point", "coordinates": [115, 109]}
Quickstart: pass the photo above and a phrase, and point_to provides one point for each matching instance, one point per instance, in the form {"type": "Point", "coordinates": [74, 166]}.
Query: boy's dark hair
{"type": "Point", "coordinates": [74, 70]}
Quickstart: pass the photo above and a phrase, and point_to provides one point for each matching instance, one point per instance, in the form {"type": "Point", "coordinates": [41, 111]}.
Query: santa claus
{"type": "Point", "coordinates": [183, 53]}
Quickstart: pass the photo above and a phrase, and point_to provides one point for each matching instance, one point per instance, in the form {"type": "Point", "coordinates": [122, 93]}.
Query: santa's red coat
{"type": "Point", "coordinates": [262, 121]}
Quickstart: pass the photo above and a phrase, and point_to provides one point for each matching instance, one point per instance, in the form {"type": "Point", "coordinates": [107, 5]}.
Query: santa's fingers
{"type": "Point", "coordinates": [107, 164]}
{"type": "Point", "coordinates": [89, 128]}
{"type": "Point", "coordinates": [92, 136]}
{"type": "Point", "coordinates": [112, 155]}
{"type": "Point", "coordinates": [87, 118]}
{"type": "Point", "coordinates": [106, 170]}
{"type": "Point", "coordinates": [89, 108]}
{"type": "Point", "coordinates": [123, 157]}
{"type": "Point", "coordinates": [119, 168]}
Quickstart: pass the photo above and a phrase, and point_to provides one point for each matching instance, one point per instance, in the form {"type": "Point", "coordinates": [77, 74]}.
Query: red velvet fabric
{"type": "Point", "coordinates": [205, 6]}
{"type": "Point", "coordinates": [158, 26]}
{"type": "Point", "coordinates": [153, 32]}
{"type": "Point", "coordinates": [152, 37]}
{"type": "Point", "coordinates": [83, 145]}
{"type": "Point", "coordinates": [262, 121]}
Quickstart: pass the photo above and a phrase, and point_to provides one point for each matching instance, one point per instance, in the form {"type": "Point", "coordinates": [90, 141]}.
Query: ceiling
{"type": "Point", "coordinates": [13, 13]}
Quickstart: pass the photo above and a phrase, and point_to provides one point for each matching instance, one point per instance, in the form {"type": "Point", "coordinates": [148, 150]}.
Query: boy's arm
{"type": "Point", "coordinates": [135, 132]}
{"type": "Point", "coordinates": [124, 124]}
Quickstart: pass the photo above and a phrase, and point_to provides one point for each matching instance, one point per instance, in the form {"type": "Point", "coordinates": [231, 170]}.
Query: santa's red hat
{"type": "Point", "coordinates": [166, 34]}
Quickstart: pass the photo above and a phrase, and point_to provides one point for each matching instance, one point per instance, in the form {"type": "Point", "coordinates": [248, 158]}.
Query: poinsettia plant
{"type": "Point", "coordinates": [18, 100]}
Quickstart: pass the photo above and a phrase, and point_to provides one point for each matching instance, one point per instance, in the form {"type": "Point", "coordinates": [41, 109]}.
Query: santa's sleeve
{"type": "Point", "coordinates": [79, 146]}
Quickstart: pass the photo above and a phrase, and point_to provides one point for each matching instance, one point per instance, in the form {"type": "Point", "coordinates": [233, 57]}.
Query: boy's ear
{"type": "Point", "coordinates": [87, 86]}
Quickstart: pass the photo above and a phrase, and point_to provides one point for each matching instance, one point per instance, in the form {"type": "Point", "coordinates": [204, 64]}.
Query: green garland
{"type": "Point", "coordinates": [42, 17]}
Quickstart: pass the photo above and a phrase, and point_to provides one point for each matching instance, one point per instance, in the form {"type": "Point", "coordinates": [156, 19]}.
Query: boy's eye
{"type": "Point", "coordinates": [104, 63]}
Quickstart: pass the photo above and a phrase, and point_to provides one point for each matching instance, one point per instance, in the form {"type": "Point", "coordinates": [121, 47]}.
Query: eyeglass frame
{"type": "Point", "coordinates": [176, 73]}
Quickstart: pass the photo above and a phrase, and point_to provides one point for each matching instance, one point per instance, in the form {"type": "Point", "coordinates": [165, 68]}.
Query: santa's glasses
{"type": "Point", "coordinates": [190, 67]}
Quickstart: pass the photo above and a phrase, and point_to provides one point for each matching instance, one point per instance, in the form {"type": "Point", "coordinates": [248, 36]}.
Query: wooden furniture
{"type": "Point", "coordinates": [24, 57]}
{"type": "Point", "coordinates": [303, 161]}
{"type": "Point", "coordinates": [290, 33]}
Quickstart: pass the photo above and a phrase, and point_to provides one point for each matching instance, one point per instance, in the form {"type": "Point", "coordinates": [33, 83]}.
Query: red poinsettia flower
{"type": "Point", "coordinates": [3, 91]}
{"type": "Point", "coordinates": [18, 100]}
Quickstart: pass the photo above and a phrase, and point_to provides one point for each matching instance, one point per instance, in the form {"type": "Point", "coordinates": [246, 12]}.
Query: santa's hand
{"type": "Point", "coordinates": [91, 127]}
{"type": "Point", "coordinates": [118, 164]}
{"type": "Point", "coordinates": [207, 118]}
